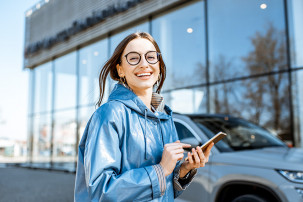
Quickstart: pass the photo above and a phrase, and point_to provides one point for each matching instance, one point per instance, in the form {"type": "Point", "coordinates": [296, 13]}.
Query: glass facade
{"type": "Point", "coordinates": [181, 38]}
{"type": "Point", "coordinates": [233, 57]}
{"type": "Point", "coordinates": [296, 63]}
{"type": "Point", "coordinates": [246, 38]}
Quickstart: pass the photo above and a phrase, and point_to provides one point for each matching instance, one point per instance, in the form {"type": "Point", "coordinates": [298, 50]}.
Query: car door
{"type": "Point", "coordinates": [197, 191]}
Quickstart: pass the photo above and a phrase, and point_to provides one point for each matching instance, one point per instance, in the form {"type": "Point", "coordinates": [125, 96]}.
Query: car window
{"type": "Point", "coordinates": [242, 134]}
{"type": "Point", "coordinates": [185, 135]}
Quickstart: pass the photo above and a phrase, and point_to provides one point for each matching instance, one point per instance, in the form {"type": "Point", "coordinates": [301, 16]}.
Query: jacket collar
{"type": "Point", "coordinates": [125, 95]}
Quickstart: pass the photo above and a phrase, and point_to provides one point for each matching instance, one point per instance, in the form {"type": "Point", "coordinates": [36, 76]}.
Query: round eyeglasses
{"type": "Point", "coordinates": [133, 58]}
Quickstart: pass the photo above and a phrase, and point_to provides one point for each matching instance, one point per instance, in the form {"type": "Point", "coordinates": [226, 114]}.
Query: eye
{"type": "Point", "coordinates": [134, 58]}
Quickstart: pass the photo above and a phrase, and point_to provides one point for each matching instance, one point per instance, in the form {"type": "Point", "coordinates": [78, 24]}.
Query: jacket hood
{"type": "Point", "coordinates": [130, 99]}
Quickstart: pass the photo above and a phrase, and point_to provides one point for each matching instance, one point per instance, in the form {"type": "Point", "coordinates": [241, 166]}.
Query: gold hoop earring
{"type": "Point", "coordinates": [122, 80]}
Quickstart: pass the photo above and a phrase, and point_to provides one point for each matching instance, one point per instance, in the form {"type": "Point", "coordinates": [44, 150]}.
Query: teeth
{"type": "Point", "coordinates": [144, 74]}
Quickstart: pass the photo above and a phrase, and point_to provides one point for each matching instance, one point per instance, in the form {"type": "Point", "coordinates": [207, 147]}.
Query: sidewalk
{"type": "Point", "coordinates": [30, 185]}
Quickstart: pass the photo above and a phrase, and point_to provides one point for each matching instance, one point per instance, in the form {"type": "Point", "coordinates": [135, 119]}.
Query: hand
{"type": "Point", "coordinates": [195, 160]}
{"type": "Point", "coordinates": [172, 153]}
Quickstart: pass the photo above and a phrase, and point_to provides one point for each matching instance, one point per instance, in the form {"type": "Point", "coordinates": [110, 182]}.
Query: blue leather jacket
{"type": "Point", "coordinates": [120, 151]}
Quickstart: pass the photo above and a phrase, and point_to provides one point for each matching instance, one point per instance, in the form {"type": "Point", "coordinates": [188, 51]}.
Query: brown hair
{"type": "Point", "coordinates": [110, 65]}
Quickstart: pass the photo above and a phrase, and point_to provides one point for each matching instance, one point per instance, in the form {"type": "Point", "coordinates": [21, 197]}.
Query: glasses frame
{"type": "Point", "coordinates": [158, 57]}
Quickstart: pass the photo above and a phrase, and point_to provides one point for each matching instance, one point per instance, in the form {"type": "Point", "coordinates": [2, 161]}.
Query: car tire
{"type": "Point", "coordinates": [249, 198]}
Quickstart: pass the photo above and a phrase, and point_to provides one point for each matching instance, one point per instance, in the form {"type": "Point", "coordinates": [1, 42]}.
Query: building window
{"type": "Point", "coordinates": [43, 88]}
{"type": "Point", "coordinates": [246, 38]}
{"type": "Point", "coordinates": [117, 38]}
{"type": "Point", "coordinates": [64, 149]}
{"type": "Point", "coordinates": [191, 100]}
{"type": "Point", "coordinates": [295, 17]}
{"type": "Point", "coordinates": [262, 100]}
{"type": "Point", "coordinates": [65, 81]}
{"type": "Point", "coordinates": [42, 139]}
{"type": "Point", "coordinates": [91, 60]}
{"type": "Point", "coordinates": [181, 38]}
{"type": "Point", "coordinates": [297, 98]}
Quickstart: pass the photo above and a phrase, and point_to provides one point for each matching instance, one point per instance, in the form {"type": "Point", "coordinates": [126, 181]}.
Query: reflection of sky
{"type": "Point", "coordinates": [92, 58]}
{"type": "Point", "coordinates": [13, 79]}
{"type": "Point", "coordinates": [182, 51]}
{"type": "Point", "coordinates": [116, 39]}
{"type": "Point", "coordinates": [232, 23]}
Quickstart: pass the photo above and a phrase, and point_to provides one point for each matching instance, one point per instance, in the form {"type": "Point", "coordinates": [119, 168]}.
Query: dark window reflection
{"type": "Point", "coordinates": [245, 38]}
{"type": "Point", "coordinates": [181, 37]}
{"type": "Point", "coordinates": [263, 100]}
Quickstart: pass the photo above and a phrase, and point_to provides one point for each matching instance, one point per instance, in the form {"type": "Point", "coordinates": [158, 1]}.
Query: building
{"type": "Point", "coordinates": [237, 57]}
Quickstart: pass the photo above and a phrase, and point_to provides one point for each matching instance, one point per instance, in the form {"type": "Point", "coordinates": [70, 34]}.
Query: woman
{"type": "Point", "coordinates": [130, 149]}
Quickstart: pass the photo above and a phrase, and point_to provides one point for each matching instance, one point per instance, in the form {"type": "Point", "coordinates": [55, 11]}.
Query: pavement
{"type": "Point", "coordinates": [35, 185]}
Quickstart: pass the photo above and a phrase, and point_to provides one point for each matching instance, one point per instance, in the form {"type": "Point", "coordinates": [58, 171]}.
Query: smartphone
{"type": "Point", "coordinates": [214, 139]}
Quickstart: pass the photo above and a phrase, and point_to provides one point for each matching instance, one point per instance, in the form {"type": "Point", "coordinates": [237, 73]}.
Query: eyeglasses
{"type": "Point", "coordinates": [133, 58]}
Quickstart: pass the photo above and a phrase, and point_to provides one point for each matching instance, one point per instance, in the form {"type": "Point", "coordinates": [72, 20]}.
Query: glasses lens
{"type": "Point", "coordinates": [133, 58]}
{"type": "Point", "coordinates": [152, 57]}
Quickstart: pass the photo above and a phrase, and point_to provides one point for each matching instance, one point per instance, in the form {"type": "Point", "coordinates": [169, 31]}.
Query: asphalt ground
{"type": "Point", "coordinates": [35, 185]}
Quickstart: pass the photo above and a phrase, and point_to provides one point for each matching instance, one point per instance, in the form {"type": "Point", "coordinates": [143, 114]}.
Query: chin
{"type": "Point", "coordinates": [142, 86]}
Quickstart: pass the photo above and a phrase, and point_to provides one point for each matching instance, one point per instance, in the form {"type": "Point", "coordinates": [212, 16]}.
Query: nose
{"type": "Point", "coordinates": [143, 62]}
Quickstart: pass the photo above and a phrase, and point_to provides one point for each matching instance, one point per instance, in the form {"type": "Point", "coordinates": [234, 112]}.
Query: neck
{"type": "Point", "coordinates": [145, 96]}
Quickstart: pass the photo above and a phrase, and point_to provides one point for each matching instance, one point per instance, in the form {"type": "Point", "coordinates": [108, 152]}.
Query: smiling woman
{"type": "Point", "coordinates": [130, 149]}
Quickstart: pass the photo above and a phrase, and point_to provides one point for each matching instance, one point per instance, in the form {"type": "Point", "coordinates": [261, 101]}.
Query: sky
{"type": "Point", "coordinates": [13, 78]}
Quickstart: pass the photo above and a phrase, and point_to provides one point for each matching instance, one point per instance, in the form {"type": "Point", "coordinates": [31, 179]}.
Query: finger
{"type": "Point", "coordinates": [184, 145]}
{"type": "Point", "coordinates": [190, 158]}
{"type": "Point", "coordinates": [178, 151]}
{"type": "Point", "coordinates": [201, 155]}
{"type": "Point", "coordinates": [207, 151]}
{"type": "Point", "coordinates": [196, 157]}
{"type": "Point", "coordinates": [174, 145]}
{"type": "Point", "coordinates": [179, 156]}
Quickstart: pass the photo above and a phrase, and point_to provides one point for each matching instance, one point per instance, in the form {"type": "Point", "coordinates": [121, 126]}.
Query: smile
{"type": "Point", "coordinates": [146, 74]}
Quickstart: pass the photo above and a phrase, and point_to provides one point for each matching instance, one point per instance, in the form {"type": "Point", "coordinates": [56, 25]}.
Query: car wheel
{"type": "Point", "coordinates": [249, 198]}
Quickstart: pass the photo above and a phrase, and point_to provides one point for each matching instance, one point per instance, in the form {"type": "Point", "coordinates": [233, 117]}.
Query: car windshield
{"type": "Point", "coordinates": [241, 134]}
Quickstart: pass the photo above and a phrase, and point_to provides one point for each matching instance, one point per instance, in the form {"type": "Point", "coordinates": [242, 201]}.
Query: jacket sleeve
{"type": "Point", "coordinates": [102, 163]}
{"type": "Point", "coordinates": [181, 184]}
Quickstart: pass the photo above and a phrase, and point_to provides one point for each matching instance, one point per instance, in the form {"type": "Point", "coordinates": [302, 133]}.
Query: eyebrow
{"type": "Point", "coordinates": [141, 52]}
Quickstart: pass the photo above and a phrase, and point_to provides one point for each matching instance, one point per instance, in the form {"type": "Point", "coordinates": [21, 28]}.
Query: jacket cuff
{"type": "Point", "coordinates": [152, 172]}
{"type": "Point", "coordinates": [180, 184]}
{"type": "Point", "coordinates": [161, 177]}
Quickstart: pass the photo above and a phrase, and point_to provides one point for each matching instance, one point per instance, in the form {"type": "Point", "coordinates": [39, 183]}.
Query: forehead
{"type": "Point", "coordinates": [139, 45]}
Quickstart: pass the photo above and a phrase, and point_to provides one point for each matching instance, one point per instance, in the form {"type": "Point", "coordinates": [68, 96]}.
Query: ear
{"type": "Point", "coordinates": [120, 70]}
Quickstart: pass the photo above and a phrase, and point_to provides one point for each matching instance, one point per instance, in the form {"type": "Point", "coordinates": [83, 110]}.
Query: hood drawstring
{"type": "Point", "coordinates": [145, 146]}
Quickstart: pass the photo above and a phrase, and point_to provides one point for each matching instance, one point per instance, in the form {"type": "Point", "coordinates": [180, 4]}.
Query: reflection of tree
{"type": "Point", "coordinates": [268, 94]}
{"type": "Point", "coordinates": [194, 77]}
{"type": "Point", "coordinates": [222, 94]}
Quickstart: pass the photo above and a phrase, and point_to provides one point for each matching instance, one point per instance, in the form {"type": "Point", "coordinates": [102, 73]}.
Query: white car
{"type": "Point", "coordinates": [249, 164]}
